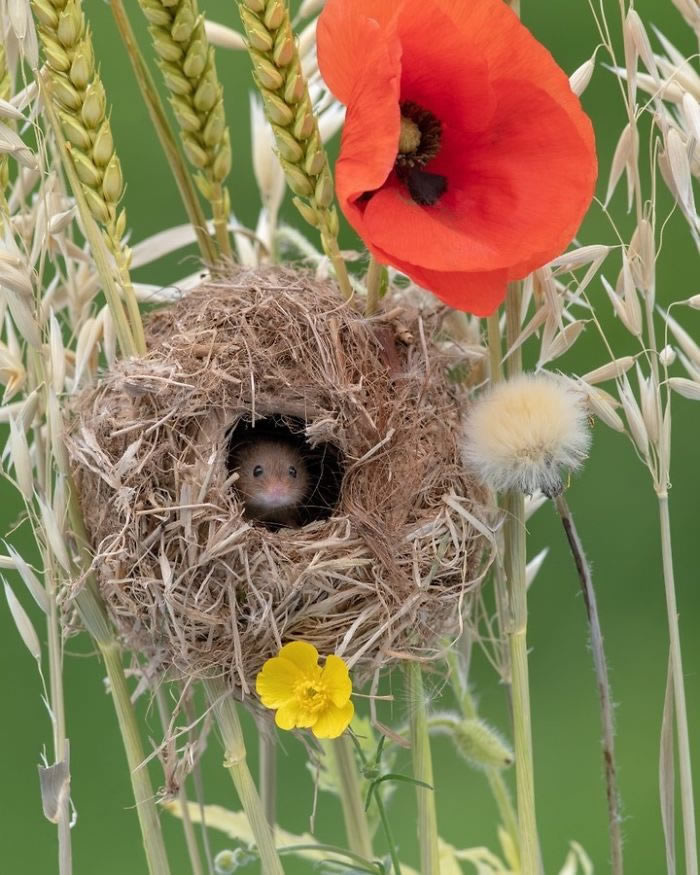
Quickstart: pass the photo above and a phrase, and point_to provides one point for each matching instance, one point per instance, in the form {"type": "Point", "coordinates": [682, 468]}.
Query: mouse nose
{"type": "Point", "coordinates": [277, 494]}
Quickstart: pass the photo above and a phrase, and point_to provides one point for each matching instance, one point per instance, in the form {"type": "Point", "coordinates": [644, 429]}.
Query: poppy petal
{"type": "Point", "coordinates": [477, 293]}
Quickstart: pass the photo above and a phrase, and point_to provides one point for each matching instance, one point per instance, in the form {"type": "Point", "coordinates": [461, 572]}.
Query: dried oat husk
{"type": "Point", "coordinates": [201, 590]}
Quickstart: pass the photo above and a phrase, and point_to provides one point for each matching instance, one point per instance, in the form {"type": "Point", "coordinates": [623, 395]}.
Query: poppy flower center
{"type": "Point", "coordinates": [420, 139]}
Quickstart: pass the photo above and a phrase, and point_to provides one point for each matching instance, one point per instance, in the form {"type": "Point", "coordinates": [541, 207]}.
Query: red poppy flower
{"type": "Point", "coordinates": [466, 160]}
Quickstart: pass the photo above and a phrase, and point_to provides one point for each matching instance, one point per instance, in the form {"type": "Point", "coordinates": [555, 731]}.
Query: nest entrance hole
{"type": "Point", "coordinates": [324, 462]}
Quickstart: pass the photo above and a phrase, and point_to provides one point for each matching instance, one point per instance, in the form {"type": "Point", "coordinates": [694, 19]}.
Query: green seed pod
{"type": "Point", "coordinates": [195, 59]}
{"type": "Point", "coordinates": [70, 25]}
{"type": "Point", "coordinates": [187, 118]}
{"type": "Point", "coordinates": [154, 12]}
{"type": "Point", "coordinates": [283, 50]}
{"type": "Point", "coordinates": [86, 170]}
{"type": "Point", "coordinates": [222, 163]}
{"type": "Point", "coordinates": [308, 213]}
{"type": "Point", "coordinates": [258, 37]}
{"type": "Point", "coordinates": [294, 86]}
{"type": "Point", "coordinates": [207, 93]}
{"type": "Point", "coordinates": [64, 92]}
{"type": "Point", "coordinates": [82, 69]}
{"type": "Point", "coordinates": [323, 194]}
{"type": "Point", "coordinates": [74, 131]}
{"type": "Point", "coordinates": [297, 180]}
{"type": "Point", "coordinates": [215, 126]}
{"type": "Point", "coordinates": [266, 73]}
{"type": "Point", "coordinates": [274, 14]}
{"type": "Point", "coordinates": [195, 154]}
{"type": "Point", "coordinates": [315, 157]}
{"type": "Point", "coordinates": [56, 55]}
{"type": "Point", "coordinates": [183, 25]}
{"type": "Point", "coordinates": [164, 45]}
{"type": "Point", "coordinates": [45, 13]}
{"type": "Point", "coordinates": [287, 146]}
{"type": "Point", "coordinates": [174, 80]}
{"type": "Point", "coordinates": [103, 148]}
{"type": "Point", "coordinates": [97, 206]}
{"type": "Point", "coordinates": [304, 123]}
{"type": "Point", "coordinates": [477, 742]}
{"type": "Point", "coordinates": [276, 109]}
{"type": "Point", "coordinates": [94, 105]}
{"type": "Point", "coordinates": [113, 182]}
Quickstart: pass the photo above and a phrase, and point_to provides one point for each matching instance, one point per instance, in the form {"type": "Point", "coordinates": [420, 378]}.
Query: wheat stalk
{"type": "Point", "coordinates": [78, 94]}
{"type": "Point", "coordinates": [187, 62]}
{"type": "Point", "coordinates": [288, 107]}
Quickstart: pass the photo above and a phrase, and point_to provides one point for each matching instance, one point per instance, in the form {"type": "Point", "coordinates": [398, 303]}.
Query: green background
{"type": "Point", "coordinates": [616, 513]}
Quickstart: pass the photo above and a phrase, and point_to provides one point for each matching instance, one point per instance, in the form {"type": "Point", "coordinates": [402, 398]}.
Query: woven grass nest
{"type": "Point", "coordinates": [381, 565]}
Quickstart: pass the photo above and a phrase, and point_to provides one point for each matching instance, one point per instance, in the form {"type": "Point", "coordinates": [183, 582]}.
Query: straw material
{"type": "Point", "coordinates": [203, 591]}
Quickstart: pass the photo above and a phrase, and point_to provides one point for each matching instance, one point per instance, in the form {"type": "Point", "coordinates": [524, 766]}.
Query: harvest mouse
{"type": "Point", "coordinates": [273, 480]}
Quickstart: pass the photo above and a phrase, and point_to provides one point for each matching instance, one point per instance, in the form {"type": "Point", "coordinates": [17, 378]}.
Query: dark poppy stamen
{"type": "Point", "coordinates": [419, 142]}
{"type": "Point", "coordinates": [425, 188]}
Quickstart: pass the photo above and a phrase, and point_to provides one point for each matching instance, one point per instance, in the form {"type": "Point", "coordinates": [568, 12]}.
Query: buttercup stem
{"type": "Point", "coordinates": [386, 826]}
{"type": "Point", "coordinates": [423, 771]}
{"type": "Point", "coordinates": [235, 761]}
{"type": "Point", "coordinates": [159, 119]}
{"type": "Point", "coordinates": [685, 768]}
{"type": "Point", "coordinates": [603, 682]}
{"type": "Point", "coordinates": [356, 826]}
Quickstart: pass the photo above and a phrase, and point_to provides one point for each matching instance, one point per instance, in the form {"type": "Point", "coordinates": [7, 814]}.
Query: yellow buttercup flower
{"type": "Point", "coordinates": [305, 695]}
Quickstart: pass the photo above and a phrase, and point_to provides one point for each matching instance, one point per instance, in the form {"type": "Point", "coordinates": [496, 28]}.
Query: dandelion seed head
{"type": "Point", "coordinates": [524, 432]}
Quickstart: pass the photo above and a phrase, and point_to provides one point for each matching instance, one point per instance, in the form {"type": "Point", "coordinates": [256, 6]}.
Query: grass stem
{"type": "Point", "coordinates": [603, 682]}
{"type": "Point", "coordinates": [356, 826]}
{"type": "Point", "coordinates": [267, 774]}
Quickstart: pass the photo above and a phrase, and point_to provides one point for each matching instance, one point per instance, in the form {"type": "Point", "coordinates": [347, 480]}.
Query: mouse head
{"type": "Point", "coordinates": [272, 477]}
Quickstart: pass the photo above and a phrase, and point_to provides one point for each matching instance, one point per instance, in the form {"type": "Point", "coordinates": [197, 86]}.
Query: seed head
{"type": "Point", "coordinates": [525, 432]}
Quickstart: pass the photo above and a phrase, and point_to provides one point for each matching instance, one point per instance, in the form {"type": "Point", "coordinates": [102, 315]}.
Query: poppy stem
{"type": "Point", "coordinates": [603, 681]}
{"type": "Point", "coordinates": [374, 282]}
{"type": "Point", "coordinates": [423, 771]}
{"type": "Point", "coordinates": [515, 561]}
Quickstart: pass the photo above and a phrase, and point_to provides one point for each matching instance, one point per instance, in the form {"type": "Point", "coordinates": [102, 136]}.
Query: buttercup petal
{"type": "Point", "coordinates": [333, 721]}
{"type": "Point", "coordinates": [336, 680]}
{"type": "Point", "coordinates": [302, 655]}
{"type": "Point", "coordinates": [286, 716]}
{"type": "Point", "coordinates": [275, 683]}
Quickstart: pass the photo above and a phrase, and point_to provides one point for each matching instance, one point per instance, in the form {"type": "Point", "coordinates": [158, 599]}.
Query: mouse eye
{"type": "Point", "coordinates": [292, 471]}
{"type": "Point", "coordinates": [257, 471]}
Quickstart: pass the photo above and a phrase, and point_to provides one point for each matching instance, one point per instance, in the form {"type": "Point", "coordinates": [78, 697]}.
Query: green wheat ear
{"type": "Point", "coordinates": [187, 62]}
{"type": "Point", "coordinates": [287, 103]}
{"type": "Point", "coordinates": [76, 89]}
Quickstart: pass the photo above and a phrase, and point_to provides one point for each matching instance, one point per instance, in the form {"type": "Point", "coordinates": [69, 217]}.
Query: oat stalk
{"type": "Point", "coordinates": [287, 104]}
{"type": "Point", "coordinates": [5, 94]}
{"type": "Point", "coordinates": [156, 110]}
{"type": "Point", "coordinates": [423, 771]}
{"type": "Point", "coordinates": [235, 761]}
{"type": "Point", "coordinates": [356, 827]}
{"type": "Point", "coordinates": [187, 63]}
{"type": "Point", "coordinates": [77, 94]}
{"type": "Point", "coordinates": [603, 683]}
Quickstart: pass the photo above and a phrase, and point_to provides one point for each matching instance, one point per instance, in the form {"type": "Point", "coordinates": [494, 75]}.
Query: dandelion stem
{"type": "Point", "coordinates": [267, 774]}
{"type": "Point", "coordinates": [235, 761]}
{"type": "Point", "coordinates": [356, 826]}
{"type": "Point", "coordinates": [686, 778]}
{"type": "Point", "coordinates": [604, 691]}
{"type": "Point", "coordinates": [515, 562]}
{"type": "Point", "coordinates": [423, 771]}
{"type": "Point", "coordinates": [497, 784]}
{"type": "Point", "coordinates": [158, 116]}
{"type": "Point", "coordinates": [374, 279]}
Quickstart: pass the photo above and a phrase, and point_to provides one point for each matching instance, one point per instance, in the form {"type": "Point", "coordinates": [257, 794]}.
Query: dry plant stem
{"type": "Point", "coordinates": [423, 771]}
{"type": "Point", "coordinates": [235, 761]}
{"type": "Point", "coordinates": [685, 768]}
{"type": "Point", "coordinates": [495, 348]}
{"type": "Point", "coordinates": [603, 682]}
{"type": "Point", "coordinates": [187, 828]}
{"type": "Point", "coordinates": [95, 620]}
{"type": "Point", "coordinates": [494, 776]}
{"type": "Point", "coordinates": [188, 193]}
{"type": "Point", "coordinates": [356, 826]}
{"type": "Point", "coordinates": [515, 562]}
{"type": "Point", "coordinates": [267, 774]}
{"type": "Point", "coordinates": [374, 278]}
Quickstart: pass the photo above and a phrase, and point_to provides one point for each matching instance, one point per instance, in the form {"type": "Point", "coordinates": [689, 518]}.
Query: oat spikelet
{"type": "Point", "coordinates": [187, 62]}
{"type": "Point", "coordinates": [79, 96]}
{"type": "Point", "coordinates": [525, 431]}
{"type": "Point", "coordinates": [4, 95]}
{"type": "Point", "coordinates": [278, 74]}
